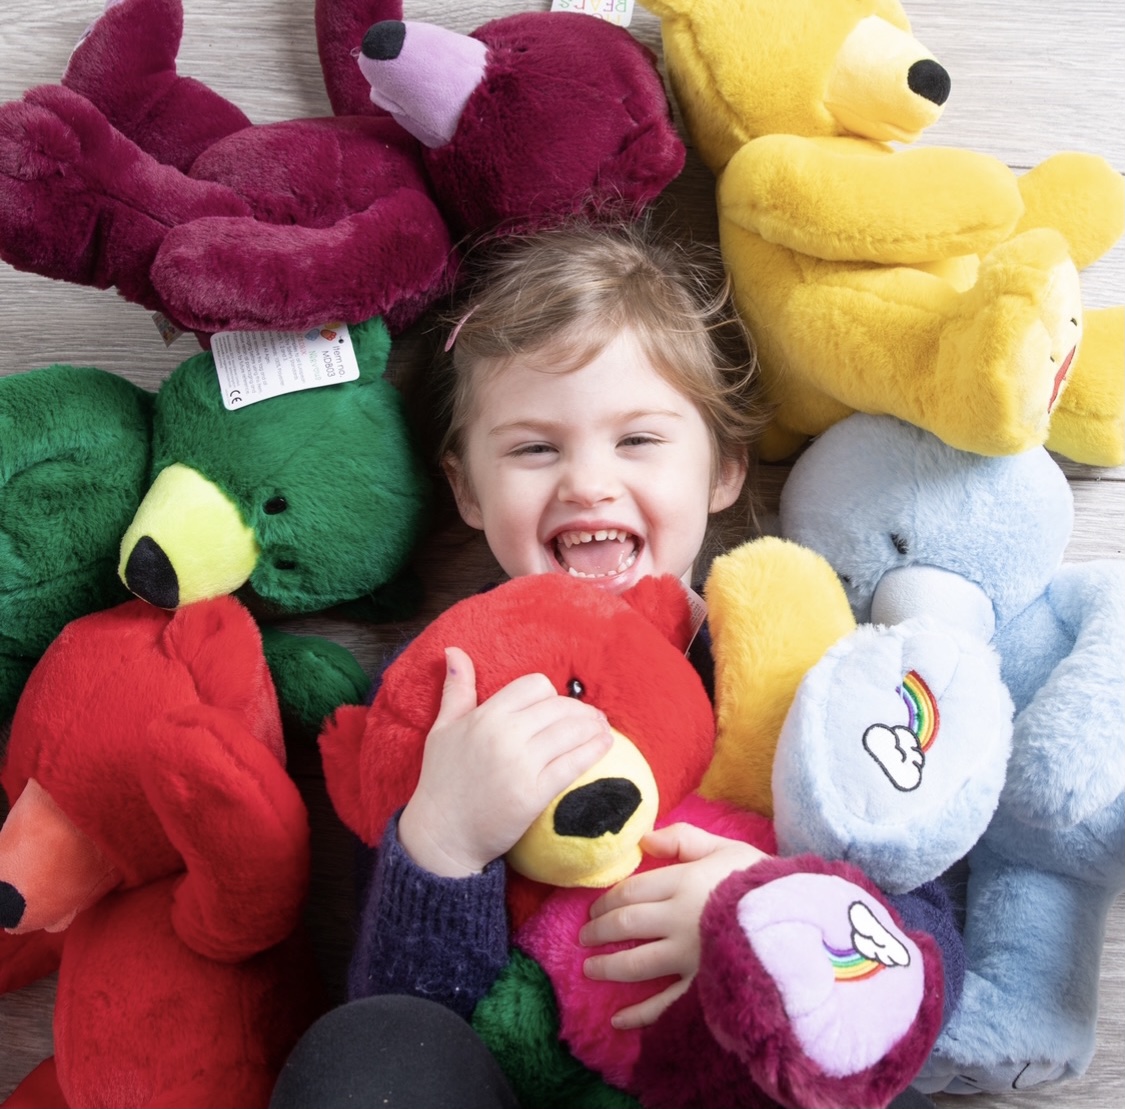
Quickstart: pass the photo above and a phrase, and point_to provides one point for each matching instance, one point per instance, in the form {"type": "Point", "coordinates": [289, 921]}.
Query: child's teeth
{"type": "Point", "coordinates": [625, 564]}
{"type": "Point", "coordinates": [572, 538]}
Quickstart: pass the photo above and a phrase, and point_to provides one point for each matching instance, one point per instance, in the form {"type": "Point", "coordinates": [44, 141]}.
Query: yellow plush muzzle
{"type": "Point", "coordinates": [188, 542]}
{"type": "Point", "coordinates": [590, 834]}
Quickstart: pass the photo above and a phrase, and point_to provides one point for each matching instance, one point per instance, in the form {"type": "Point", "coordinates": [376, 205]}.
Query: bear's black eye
{"type": "Point", "coordinates": [574, 688]}
{"type": "Point", "coordinates": [900, 544]}
{"type": "Point", "coordinates": [285, 564]}
{"type": "Point", "coordinates": [275, 505]}
{"type": "Point", "coordinates": [845, 578]}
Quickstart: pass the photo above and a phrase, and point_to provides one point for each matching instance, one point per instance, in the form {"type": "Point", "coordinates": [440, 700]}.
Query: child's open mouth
{"type": "Point", "coordinates": [596, 554]}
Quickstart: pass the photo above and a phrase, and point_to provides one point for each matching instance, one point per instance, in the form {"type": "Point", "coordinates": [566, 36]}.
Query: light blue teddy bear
{"type": "Point", "coordinates": [916, 529]}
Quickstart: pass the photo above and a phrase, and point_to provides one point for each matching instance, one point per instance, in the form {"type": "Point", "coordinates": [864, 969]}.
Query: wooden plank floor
{"type": "Point", "coordinates": [1028, 79]}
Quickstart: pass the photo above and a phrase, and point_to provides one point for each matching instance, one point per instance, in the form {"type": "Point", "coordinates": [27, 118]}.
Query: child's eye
{"type": "Point", "coordinates": [638, 440]}
{"type": "Point", "coordinates": [532, 448]}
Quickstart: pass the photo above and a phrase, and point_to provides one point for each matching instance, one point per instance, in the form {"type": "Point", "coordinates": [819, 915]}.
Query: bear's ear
{"type": "Point", "coordinates": [663, 601]}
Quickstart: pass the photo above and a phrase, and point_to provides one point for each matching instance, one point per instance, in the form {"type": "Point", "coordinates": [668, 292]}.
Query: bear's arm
{"type": "Point", "coordinates": [240, 824]}
{"type": "Point", "coordinates": [28, 957]}
{"type": "Point", "coordinates": [845, 199]}
{"type": "Point", "coordinates": [1068, 761]}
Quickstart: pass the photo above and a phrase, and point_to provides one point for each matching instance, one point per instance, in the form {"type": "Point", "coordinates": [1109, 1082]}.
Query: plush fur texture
{"type": "Point", "coordinates": [893, 755]}
{"type": "Point", "coordinates": [795, 674]}
{"type": "Point", "coordinates": [732, 1039]}
{"type": "Point", "coordinates": [621, 146]}
{"type": "Point", "coordinates": [749, 1012]}
{"type": "Point", "coordinates": [548, 624]}
{"type": "Point", "coordinates": [774, 609]}
{"type": "Point", "coordinates": [156, 737]}
{"type": "Point", "coordinates": [519, 1021]}
{"type": "Point", "coordinates": [585, 1005]}
{"type": "Point", "coordinates": [74, 446]}
{"type": "Point", "coordinates": [931, 283]}
{"type": "Point", "coordinates": [651, 693]}
{"type": "Point", "coordinates": [353, 490]}
{"type": "Point", "coordinates": [299, 502]}
{"type": "Point", "coordinates": [131, 176]}
{"type": "Point", "coordinates": [885, 502]}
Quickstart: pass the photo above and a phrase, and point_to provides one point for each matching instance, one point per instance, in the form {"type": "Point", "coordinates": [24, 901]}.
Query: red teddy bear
{"type": "Point", "coordinates": [809, 991]}
{"type": "Point", "coordinates": [156, 854]}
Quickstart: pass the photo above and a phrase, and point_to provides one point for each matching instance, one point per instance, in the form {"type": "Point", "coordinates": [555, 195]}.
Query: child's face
{"type": "Point", "coordinates": [604, 472]}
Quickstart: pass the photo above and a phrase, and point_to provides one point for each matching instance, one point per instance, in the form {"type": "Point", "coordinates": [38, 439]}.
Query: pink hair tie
{"type": "Point", "coordinates": [457, 329]}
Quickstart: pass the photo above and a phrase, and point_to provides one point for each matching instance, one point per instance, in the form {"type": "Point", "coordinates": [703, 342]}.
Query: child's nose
{"type": "Point", "coordinates": [589, 481]}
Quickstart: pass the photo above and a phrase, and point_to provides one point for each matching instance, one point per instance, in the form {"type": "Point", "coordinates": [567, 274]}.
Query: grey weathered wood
{"type": "Point", "coordinates": [1028, 79]}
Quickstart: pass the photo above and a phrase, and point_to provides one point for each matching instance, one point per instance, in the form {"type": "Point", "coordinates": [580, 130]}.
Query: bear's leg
{"type": "Point", "coordinates": [391, 260]}
{"type": "Point", "coordinates": [80, 203]}
{"type": "Point", "coordinates": [1028, 1011]}
{"type": "Point", "coordinates": [125, 64]}
{"type": "Point", "coordinates": [1007, 348]}
{"type": "Point", "coordinates": [806, 974]}
{"type": "Point", "coordinates": [1088, 424]}
{"type": "Point", "coordinates": [1080, 195]}
{"type": "Point", "coordinates": [974, 351]}
{"type": "Point", "coordinates": [142, 1020]}
{"type": "Point", "coordinates": [894, 752]}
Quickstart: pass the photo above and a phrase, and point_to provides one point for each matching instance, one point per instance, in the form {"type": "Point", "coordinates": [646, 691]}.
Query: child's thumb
{"type": "Point", "coordinates": [681, 841]}
{"type": "Point", "coordinates": [459, 693]}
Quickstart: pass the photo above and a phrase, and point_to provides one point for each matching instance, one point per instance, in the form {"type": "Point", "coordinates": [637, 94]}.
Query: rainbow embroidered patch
{"type": "Point", "coordinates": [873, 948]}
{"type": "Point", "coordinates": [921, 708]}
{"type": "Point", "coordinates": [850, 966]}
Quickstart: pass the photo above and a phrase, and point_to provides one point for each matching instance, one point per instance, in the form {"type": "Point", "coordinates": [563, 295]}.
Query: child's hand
{"type": "Point", "coordinates": [489, 770]}
{"type": "Point", "coordinates": [662, 906]}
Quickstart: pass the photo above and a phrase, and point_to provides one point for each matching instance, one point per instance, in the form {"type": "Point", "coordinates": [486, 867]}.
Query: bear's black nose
{"type": "Point", "coordinates": [930, 80]}
{"type": "Point", "coordinates": [599, 807]}
{"type": "Point", "coordinates": [12, 905]}
{"type": "Point", "coordinates": [383, 41]}
{"type": "Point", "coordinates": [150, 575]}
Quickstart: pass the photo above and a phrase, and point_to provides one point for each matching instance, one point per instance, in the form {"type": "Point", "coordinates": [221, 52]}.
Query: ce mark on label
{"type": "Point", "coordinates": [235, 396]}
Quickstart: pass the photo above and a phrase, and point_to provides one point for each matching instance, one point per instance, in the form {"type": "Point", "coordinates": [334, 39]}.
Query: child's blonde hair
{"type": "Point", "coordinates": [555, 299]}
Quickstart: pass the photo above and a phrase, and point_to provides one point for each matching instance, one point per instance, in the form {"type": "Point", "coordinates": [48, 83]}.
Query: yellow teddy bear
{"type": "Point", "coordinates": [932, 284]}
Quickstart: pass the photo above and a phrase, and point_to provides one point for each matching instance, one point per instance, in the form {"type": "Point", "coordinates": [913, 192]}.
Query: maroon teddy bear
{"type": "Point", "coordinates": [129, 175]}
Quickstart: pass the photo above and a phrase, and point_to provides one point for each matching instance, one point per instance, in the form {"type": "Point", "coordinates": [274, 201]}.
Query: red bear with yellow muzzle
{"type": "Point", "coordinates": [772, 937]}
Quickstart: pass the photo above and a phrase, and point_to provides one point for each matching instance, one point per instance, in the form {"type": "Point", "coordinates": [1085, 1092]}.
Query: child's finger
{"type": "Point", "coordinates": [683, 841]}
{"type": "Point", "coordinates": [648, 1011]}
{"type": "Point", "coordinates": [546, 726]}
{"type": "Point", "coordinates": [580, 744]}
{"type": "Point", "coordinates": [459, 693]}
{"type": "Point", "coordinates": [524, 692]}
{"type": "Point", "coordinates": [658, 958]}
{"type": "Point", "coordinates": [646, 887]}
{"type": "Point", "coordinates": [646, 920]}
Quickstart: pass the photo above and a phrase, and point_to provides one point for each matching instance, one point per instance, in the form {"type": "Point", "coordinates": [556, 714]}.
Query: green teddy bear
{"type": "Point", "coordinates": [295, 504]}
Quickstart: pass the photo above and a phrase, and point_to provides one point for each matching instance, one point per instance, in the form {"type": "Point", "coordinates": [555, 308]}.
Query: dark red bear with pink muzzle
{"type": "Point", "coordinates": [128, 175]}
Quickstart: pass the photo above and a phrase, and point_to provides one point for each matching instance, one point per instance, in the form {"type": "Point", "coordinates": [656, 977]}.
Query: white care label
{"type": "Point", "coordinates": [698, 608]}
{"type": "Point", "coordinates": [619, 12]}
{"type": "Point", "coordinates": [257, 365]}
{"type": "Point", "coordinates": [169, 332]}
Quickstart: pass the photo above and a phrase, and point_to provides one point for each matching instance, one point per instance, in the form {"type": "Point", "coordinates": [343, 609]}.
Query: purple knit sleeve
{"type": "Point", "coordinates": [445, 939]}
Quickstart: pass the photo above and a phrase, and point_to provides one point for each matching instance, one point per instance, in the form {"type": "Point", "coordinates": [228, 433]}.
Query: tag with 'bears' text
{"type": "Point", "coordinates": [257, 365]}
{"type": "Point", "coordinates": [619, 12]}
